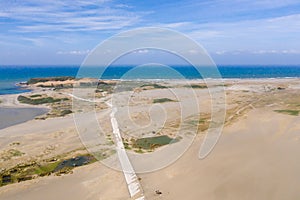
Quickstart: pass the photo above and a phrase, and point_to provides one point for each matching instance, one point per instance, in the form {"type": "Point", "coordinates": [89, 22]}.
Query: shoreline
{"type": "Point", "coordinates": [24, 86]}
{"type": "Point", "coordinates": [19, 86]}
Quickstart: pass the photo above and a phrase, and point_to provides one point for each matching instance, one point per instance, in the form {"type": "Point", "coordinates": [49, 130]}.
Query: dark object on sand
{"type": "Point", "coordinates": [158, 192]}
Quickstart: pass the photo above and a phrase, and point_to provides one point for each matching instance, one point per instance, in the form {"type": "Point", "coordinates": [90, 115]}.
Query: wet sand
{"type": "Point", "coordinates": [13, 116]}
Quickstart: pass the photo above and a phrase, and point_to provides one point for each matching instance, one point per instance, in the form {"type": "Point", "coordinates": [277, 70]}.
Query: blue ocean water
{"type": "Point", "coordinates": [10, 75]}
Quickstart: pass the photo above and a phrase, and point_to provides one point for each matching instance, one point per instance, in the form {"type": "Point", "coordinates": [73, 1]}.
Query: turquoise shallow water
{"type": "Point", "coordinates": [10, 75]}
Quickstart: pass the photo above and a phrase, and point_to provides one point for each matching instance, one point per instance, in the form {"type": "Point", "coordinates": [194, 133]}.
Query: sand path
{"type": "Point", "coordinates": [133, 184]}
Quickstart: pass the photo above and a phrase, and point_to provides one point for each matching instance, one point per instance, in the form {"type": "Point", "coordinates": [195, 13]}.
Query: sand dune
{"type": "Point", "coordinates": [255, 158]}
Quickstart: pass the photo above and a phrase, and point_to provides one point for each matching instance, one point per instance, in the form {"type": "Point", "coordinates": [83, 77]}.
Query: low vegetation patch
{"type": "Point", "coordinates": [35, 95]}
{"type": "Point", "coordinates": [7, 155]}
{"type": "Point", "coordinates": [153, 142]}
{"type": "Point", "coordinates": [154, 85]}
{"type": "Point", "coordinates": [202, 122]}
{"type": "Point", "coordinates": [31, 170]}
{"type": "Point", "coordinates": [46, 169]}
{"type": "Point", "coordinates": [103, 154]}
{"type": "Point", "coordinates": [14, 144]}
{"type": "Point", "coordinates": [162, 100]}
{"type": "Point", "coordinates": [65, 112]}
{"type": "Point", "coordinates": [197, 86]}
{"type": "Point", "coordinates": [37, 101]}
{"type": "Point", "coordinates": [105, 87]}
{"type": "Point", "coordinates": [288, 112]}
{"type": "Point", "coordinates": [42, 80]}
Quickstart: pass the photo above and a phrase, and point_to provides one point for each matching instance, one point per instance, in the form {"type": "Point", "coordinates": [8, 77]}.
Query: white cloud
{"type": "Point", "coordinates": [193, 51]}
{"type": "Point", "coordinates": [274, 3]}
{"type": "Point", "coordinates": [123, 6]}
{"type": "Point", "coordinates": [290, 51]}
{"type": "Point", "coordinates": [271, 33]}
{"type": "Point", "coordinates": [44, 16]}
{"type": "Point", "coordinates": [220, 52]}
{"type": "Point", "coordinates": [175, 25]}
{"type": "Point", "coordinates": [74, 52]}
{"type": "Point", "coordinates": [205, 34]}
{"type": "Point", "coordinates": [141, 51]}
{"type": "Point", "coordinates": [258, 52]}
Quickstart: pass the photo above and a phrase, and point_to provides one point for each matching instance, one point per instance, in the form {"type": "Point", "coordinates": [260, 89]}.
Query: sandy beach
{"type": "Point", "coordinates": [255, 157]}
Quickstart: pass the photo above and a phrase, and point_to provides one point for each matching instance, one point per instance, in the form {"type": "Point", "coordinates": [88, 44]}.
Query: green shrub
{"type": "Point", "coordinates": [65, 112]}
{"type": "Point", "coordinates": [46, 169]}
{"type": "Point", "coordinates": [153, 142]}
{"type": "Point", "coordinates": [154, 85]}
{"type": "Point", "coordinates": [162, 100]}
{"type": "Point", "coordinates": [35, 95]}
{"type": "Point", "coordinates": [38, 101]}
{"type": "Point", "coordinates": [202, 86]}
{"type": "Point", "coordinates": [42, 80]}
{"type": "Point", "coordinates": [289, 112]}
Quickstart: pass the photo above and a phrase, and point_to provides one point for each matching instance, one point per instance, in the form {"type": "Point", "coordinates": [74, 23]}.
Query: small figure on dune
{"type": "Point", "coordinates": [158, 192]}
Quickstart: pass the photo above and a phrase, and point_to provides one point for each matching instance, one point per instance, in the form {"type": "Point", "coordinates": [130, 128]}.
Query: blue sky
{"type": "Point", "coordinates": [56, 32]}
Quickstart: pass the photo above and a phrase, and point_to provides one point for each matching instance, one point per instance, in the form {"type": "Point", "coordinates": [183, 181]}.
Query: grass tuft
{"type": "Point", "coordinates": [46, 169]}
{"type": "Point", "coordinates": [154, 85]}
{"type": "Point", "coordinates": [163, 100]}
{"type": "Point", "coordinates": [196, 86]}
{"type": "Point", "coordinates": [35, 95]}
{"type": "Point", "coordinates": [37, 101]}
{"type": "Point", "coordinates": [288, 112]}
{"type": "Point", "coordinates": [153, 142]}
